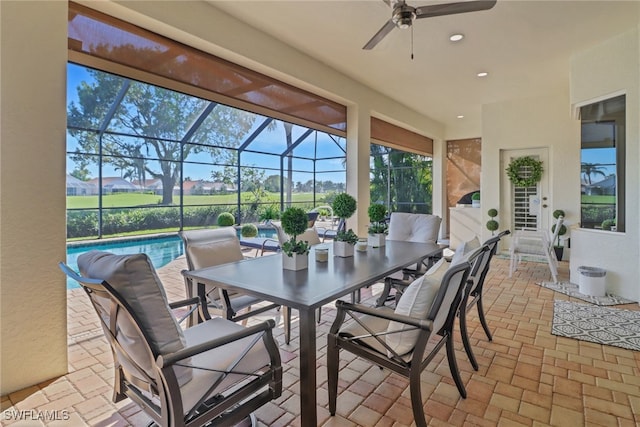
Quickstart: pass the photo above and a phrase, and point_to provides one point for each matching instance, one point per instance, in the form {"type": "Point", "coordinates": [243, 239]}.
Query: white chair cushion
{"type": "Point", "coordinates": [376, 324]}
{"type": "Point", "coordinates": [437, 270]}
{"type": "Point", "coordinates": [206, 248]}
{"type": "Point", "coordinates": [464, 250]}
{"type": "Point", "coordinates": [414, 302]}
{"type": "Point", "coordinates": [310, 235]}
{"type": "Point", "coordinates": [220, 359]}
{"type": "Point", "coordinates": [410, 227]}
{"type": "Point", "coordinates": [135, 279]}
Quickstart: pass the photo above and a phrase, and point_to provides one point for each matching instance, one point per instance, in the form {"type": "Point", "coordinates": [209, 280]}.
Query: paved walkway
{"type": "Point", "coordinates": [527, 376]}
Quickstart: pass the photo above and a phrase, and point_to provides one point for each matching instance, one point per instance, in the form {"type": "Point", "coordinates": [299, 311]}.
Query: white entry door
{"type": "Point", "coordinates": [526, 207]}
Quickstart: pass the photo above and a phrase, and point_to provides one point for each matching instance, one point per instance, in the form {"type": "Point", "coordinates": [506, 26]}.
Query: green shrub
{"type": "Point", "coordinates": [492, 225]}
{"type": "Point", "coordinates": [249, 230]}
{"type": "Point", "coordinates": [226, 219]}
{"type": "Point", "coordinates": [492, 213]}
{"type": "Point", "coordinates": [608, 223]}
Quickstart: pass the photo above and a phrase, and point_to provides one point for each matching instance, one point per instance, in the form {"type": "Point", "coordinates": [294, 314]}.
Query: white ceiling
{"type": "Point", "coordinates": [524, 45]}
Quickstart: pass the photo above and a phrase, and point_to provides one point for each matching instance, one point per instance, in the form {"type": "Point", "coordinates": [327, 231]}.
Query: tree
{"type": "Point", "coordinates": [272, 183]}
{"type": "Point", "coordinates": [142, 128]}
{"type": "Point", "coordinates": [589, 169]}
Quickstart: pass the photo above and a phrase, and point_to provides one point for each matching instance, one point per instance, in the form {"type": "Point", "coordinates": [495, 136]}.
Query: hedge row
{"type": "Point", "coordinates": [84, 223]}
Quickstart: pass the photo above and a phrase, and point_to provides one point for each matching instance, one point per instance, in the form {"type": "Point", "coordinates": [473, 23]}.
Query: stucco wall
{"type": "Point", "coordinates": [606, 70]}
{"type": "Point", "coordinates": [542, 122]}
{"type": "Point", "coordinates": [33, 316]}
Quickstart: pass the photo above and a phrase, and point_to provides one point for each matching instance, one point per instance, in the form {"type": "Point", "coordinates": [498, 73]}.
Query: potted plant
{"type": "Point", "coordinates": [249, 230]}
{"type": "Point", "coordinates": [475, 199]}
{"type": "Point", "coordinates": [270, 213]}
{"type": "Point", "coordinates": [226, 219]}
{"type": "Point", "coordinates": [378, 227]}
{"type": "Point", "coordinates": [294, 223]}
{"type": "Point", "coordinates": [344, 206]}
{"type": "Point", "coordinates": [558, 249]}
{"type": "Point", "coordinates": [492, 224]}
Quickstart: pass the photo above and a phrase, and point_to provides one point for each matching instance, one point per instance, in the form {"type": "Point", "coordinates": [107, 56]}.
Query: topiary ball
{"type": "Point", "coordinates": [492, 225]}
{"type": "Point", "coordinates": [377, 212]}
{"type": "Point", "coordinates": [558, 213]}
{"type": "Point", "coordinates": [344, 205]}
{"type": "Point", "coordinates": [226, 219]}
{"type": "Point", "coordinates": [492, 213]}
{"type": "Point", "coordinates": [249, 230]}
{"type": "Point", "coordinates": [294, 221]}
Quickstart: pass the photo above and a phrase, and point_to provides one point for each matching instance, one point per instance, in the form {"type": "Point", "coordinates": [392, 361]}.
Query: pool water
{"type": "Point", "coordinates": [160, 250]}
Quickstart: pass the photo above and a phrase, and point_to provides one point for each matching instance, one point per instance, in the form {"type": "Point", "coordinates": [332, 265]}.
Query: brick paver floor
{"type": "Point", "coordinates": [527, 376]}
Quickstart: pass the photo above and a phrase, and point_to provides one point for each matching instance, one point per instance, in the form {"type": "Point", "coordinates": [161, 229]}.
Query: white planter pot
{"type": "Point", "coordinates": [295, 262]}
{"type": "Point", "coordinates": [475, 203]}
{"type": "Point", "coordinates": [376, 240]}
{"type": "Point", "coordinates": [342, 249]}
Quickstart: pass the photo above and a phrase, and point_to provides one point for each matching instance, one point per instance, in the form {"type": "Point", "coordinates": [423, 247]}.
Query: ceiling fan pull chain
{"type": "Point", "coordinates": [412, 42]}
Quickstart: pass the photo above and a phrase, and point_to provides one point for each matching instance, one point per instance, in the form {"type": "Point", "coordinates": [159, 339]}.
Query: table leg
{"type": "Point", "coordinates": [308, 401]}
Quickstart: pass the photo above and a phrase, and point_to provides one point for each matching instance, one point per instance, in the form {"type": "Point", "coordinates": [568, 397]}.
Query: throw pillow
{"type": "Point", "coordinates": [414, 302]}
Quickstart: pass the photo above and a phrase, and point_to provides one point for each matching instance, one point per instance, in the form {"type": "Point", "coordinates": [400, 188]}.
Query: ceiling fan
{"type": "Point", "coordinates": [403, 15]}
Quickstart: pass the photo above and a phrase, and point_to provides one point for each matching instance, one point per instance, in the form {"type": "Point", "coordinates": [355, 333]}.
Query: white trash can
{"type": "Point", "coordinates": [592, 281]}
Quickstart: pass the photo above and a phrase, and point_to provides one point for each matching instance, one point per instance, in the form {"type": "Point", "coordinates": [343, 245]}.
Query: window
{"type": "Point", "coordinates": [400, 180]}
{"type": "Point", "coordinates": [142, 158]}
{"type": "Point", "coordinates": [602, 164]}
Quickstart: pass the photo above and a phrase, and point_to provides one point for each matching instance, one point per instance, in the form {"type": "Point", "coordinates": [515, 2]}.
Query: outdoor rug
{"type": "Point", "coordinates": [571, 289]}
{"type": "Point", "coordinates": [600, 325]}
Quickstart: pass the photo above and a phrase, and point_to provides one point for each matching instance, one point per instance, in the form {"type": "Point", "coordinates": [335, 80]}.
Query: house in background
{"type": "Point", "coordinates": [77, 187]}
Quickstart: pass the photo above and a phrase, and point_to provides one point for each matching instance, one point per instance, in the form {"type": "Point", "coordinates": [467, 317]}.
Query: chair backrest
{"type": "Point", "coordinates": [312, 216]}
{"type": "Point", "coordinates": [210, 247]}
{"type": "Point", "coordinates": [447, 301]}
{"type": "Point", "coordinates": [310, 235]}
{"type": "Point", "coordinates": [133, 307]}
{"type": "Point", "coordinates": [421, 228]}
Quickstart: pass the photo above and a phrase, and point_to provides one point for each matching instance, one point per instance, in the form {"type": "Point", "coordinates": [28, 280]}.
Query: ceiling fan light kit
{"type": "Point", "coordinates": [403, 15]}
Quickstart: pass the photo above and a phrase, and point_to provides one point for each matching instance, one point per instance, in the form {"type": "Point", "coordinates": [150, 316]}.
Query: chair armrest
{"type": "Point", "coordinates": [184, 302]}
{"type": "Point", "coordinates": [172, 358]}
{"type": "Point", "coordinates": [394, 317]}
{"type": "Point", "coordinates": [268, 239]}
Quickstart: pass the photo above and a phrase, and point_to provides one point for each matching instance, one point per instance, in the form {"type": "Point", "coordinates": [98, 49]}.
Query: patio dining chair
{"type": "Point", "coordinates": [409, 227]}
{"type": "Point", "coordinates": [473, 295]}
{"type": "Point", "coordinates": [210, 247]}
{"type": "Point", "coordinates": [215, 373]}
{"type": "Point", "coordinates": [535, 245]}
{"type": "Point", "coordinates": [397, 340]}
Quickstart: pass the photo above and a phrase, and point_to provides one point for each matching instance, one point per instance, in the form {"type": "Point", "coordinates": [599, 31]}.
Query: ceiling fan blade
{"type": "Point", "coordinates": [382, 32]}
{"type": "Point", "coordinates": [453, 8]}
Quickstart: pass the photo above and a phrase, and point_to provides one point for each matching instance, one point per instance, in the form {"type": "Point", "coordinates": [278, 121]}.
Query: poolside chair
{"type": "Point", "coordinates": [397, 340]}
{"type": "Point", "coordinates": [210, 247]}
{"type": "Point", "coordinates": [214, 373]}
{"type": "Point", "coordinates": [409, 227]}
{"type": "Point", "coordinates": [535, 245]}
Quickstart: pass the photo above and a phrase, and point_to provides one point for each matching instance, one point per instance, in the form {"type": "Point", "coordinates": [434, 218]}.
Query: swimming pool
{"type": "Point", "coordinates": [161, 250]}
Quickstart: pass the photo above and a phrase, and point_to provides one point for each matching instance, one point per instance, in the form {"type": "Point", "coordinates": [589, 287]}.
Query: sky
{"type": "Point", "coordinates": [269, 141]}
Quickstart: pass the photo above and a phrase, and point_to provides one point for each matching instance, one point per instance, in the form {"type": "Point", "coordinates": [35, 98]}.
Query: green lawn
{"type": "Point", "coordinates": [598, 200]}
{"type": "Point", "coordinates": [138, 199]}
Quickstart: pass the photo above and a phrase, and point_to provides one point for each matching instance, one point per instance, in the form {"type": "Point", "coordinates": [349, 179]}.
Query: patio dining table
{"type": "Point", "coordinates": [306, 290]}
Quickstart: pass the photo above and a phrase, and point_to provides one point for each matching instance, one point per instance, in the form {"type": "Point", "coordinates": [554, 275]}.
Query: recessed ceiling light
{"type": "Point", "coordinates": [461, 116]}
{"type": "Point", "coordinates": [456, 37]}
{"type": "Point", "coordinates": [482, 74]}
